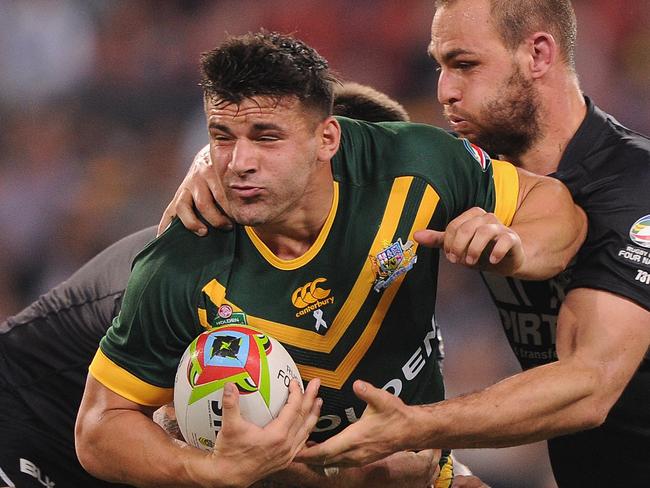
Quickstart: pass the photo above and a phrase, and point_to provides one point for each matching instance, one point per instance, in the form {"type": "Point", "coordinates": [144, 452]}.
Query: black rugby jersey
{"type": "Point", "coordinates": [45, 350]}
{"type": "Point", "coordinates": [358, 304]}
{"type": "Point", "coordinates": [607, 169]}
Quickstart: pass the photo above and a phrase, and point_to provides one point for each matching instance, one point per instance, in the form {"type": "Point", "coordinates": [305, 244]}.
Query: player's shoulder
{"type": "Point", "coordinates": [180, 252]}
{"type": "Point", "coordinates": [605, 161]}
{"type": "Point", "coordinates": [609, 146]}
{"type": "Point", "coordinates": [625, 146]}
{"type": "Point", "coordinates": [395, 132]}
{"type": "Point", "coordinates": [384, 150]}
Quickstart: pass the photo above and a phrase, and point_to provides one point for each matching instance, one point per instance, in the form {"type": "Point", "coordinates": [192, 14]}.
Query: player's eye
{"type": "Point", "coordinates": [221, 137]}
{"type": "Point", "coordinates": [465, 65]}
{"type": "Point", "coordinates": [268, 138]}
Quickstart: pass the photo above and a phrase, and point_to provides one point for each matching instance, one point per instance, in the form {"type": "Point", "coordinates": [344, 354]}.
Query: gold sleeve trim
{"type": "Point", "coordinates": [126, 384]}
{"type": "Point", "coordinates": [506, 183]}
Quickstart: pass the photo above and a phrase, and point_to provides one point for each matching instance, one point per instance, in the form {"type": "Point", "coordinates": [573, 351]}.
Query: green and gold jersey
{"type": "Point", "coordinates": [358, 304]}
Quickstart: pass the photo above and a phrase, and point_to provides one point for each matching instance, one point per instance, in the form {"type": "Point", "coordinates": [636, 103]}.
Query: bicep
{"type": "Point", "coordinates": [540, 195]}
{"type": "Point", "coordinates": [605, 330]}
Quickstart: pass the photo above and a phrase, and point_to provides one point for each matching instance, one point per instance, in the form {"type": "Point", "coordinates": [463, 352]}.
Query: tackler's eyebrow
{"type": "Point", "coordinates": [454, 53]}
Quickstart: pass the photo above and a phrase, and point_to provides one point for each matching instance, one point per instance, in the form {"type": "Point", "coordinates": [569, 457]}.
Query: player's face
{"type": "Point", "coordinates": [486, 95]}
{"type": "Point", "coordinates": [266, 154]}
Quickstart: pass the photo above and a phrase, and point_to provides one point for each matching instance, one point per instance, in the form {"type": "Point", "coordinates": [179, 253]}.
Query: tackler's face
{"type": "Point", "coordinates": [265, 151]}
{"type": "Point", "coordinates": [483, 87]}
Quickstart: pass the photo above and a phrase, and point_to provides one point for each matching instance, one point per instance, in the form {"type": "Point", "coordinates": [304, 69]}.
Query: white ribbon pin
{"type": "Point", "coordinates": [318, 315]}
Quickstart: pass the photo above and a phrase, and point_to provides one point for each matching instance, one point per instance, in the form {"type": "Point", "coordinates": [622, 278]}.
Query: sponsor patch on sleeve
{"type": "Point", "coordinates": [479, 155]}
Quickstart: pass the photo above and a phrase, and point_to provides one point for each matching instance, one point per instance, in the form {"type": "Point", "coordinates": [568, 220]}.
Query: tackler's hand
{"type": "Point", "coordinates": [382, 430]}
{"type": "Point", "coordinates": [200, 191]}
{"type": "Point", "coordinates": [477, 239]}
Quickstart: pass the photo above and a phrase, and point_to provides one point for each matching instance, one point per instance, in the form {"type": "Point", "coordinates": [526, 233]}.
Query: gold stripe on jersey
{"type": "Point", "coordinates": [127, 385]}
{"type": "Point", "coordinates": [506, 181]}
{"type": "Point", "coordinates": [312, 341]}
{"type": "Point", "coordinates": [446, 476]}
{"type": "Point", "coordinates": [203, 315]}
{"type": "Point", "coordinates": [217, 294]}
{"type": "Point", "coordinates": [336, 378]}
{"type": "Point", "coordinates": [311, 252]}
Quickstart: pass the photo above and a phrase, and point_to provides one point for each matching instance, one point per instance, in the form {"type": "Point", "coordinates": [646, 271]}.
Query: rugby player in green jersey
{"type": "Point", "coordinates": [508, 82]}
{"type": "Point", "coordinates": [321, 257]}
{"type": "Point", "coordinates": [83, 307]}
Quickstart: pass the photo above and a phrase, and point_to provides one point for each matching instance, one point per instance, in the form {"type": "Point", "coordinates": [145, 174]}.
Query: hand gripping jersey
{"type": "Point", "coordinates": [607, 169]}
{"type": "Point", "coordinates": [358, 304]}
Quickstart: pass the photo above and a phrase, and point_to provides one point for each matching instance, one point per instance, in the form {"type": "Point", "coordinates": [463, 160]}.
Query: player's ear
{"type": "Point", "coordinates": [542, 52]}
{"type": "Point", "coordinates": [330, 137]}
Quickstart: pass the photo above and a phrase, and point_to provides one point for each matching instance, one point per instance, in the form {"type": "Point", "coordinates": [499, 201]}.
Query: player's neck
{"type": "Point", "coordinates": [563, 110]}
{"type": "Point", "coordinates": [292, 236]}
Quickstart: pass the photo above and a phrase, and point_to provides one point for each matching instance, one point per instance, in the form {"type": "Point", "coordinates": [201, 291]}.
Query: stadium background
{"type": "Point", "coordinates": [100, 115]}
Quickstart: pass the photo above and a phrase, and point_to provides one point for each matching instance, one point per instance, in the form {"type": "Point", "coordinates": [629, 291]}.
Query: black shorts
{"type": "Point", "coordinates": [31, 456]}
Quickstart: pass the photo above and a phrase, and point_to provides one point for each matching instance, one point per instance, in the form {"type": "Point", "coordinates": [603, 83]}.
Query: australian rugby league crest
{"type": "Point", "coordinates": [481, 157]}
{"type": "Point", "coordinates": [391, 262]}
{"type": "Point", "coordinates": [640, 232]}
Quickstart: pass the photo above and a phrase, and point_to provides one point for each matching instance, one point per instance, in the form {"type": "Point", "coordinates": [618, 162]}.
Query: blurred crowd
{"type": "Point", "coordinates": [100, 115]}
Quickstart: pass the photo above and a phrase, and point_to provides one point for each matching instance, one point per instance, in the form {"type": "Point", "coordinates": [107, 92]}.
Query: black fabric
{"type": "Point", "coordinates": [45, 351]}
{"type": "Point", "coordinates": [616, 454]}
{"type": "Point", "coordinates": [607, 169]}
{"type": "Point", "coordinates": [33, 455]}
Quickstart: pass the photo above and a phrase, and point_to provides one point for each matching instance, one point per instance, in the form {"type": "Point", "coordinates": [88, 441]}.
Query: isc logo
{"type": "Point", "coordinates": [31, 469]}
{"type": "Point", "coordinates": [309, 294]}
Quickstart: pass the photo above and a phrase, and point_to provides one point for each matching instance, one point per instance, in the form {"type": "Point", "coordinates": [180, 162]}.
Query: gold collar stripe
{"type": "Point", "coordinates": [312, 341]}
{"type": "Point", "coordinates": [290, 264]}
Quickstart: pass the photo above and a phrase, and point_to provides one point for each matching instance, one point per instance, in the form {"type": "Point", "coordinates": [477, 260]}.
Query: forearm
{"type": "Point", "coordinates": [127, 447]}
{"type": "Point", "coordinates": [596, 362]}
{"type": "Point", "coordinates": [551, 228]}
{"type": "Point", "coordinates": [543, 402]}
{"type": "Point", "coordinates": [297, 474]}
{"type": "Point", "coordinates": [398, 470]}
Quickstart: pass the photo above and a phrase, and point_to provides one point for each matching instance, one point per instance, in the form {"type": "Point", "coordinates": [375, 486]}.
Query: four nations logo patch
{"type": "Point", "coordinates": [640, 232]}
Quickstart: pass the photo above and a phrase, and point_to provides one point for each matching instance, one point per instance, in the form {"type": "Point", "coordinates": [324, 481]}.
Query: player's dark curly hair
{"type": "Point", "coordinates": [267, 64]}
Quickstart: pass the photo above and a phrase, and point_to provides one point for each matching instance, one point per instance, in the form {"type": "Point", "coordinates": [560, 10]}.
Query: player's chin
{"type": "Point", "coordinates": [249, 216]}
{"type": "Point", "coordinates": [469, 132]}
{"type": "Point", "coordinates": [250, 221]}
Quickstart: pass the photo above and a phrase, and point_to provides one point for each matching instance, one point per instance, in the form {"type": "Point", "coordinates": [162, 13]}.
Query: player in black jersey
{"type": "Point", "coordinates": [41, 385]}
{"type": "Point", "coordinates": [45, 351]}
{"type": "Point", "coordinates": [303, 187]}
{"type": "Point", "coordinates": [508, 82]}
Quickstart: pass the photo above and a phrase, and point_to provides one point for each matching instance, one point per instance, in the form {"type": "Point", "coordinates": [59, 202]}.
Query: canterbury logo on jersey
{"type": "Point", "coordinates": [311, 297]}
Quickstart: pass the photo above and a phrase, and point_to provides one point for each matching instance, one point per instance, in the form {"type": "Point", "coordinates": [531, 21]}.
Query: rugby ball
{"type": "Point", "coordinates": [257, 364]}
